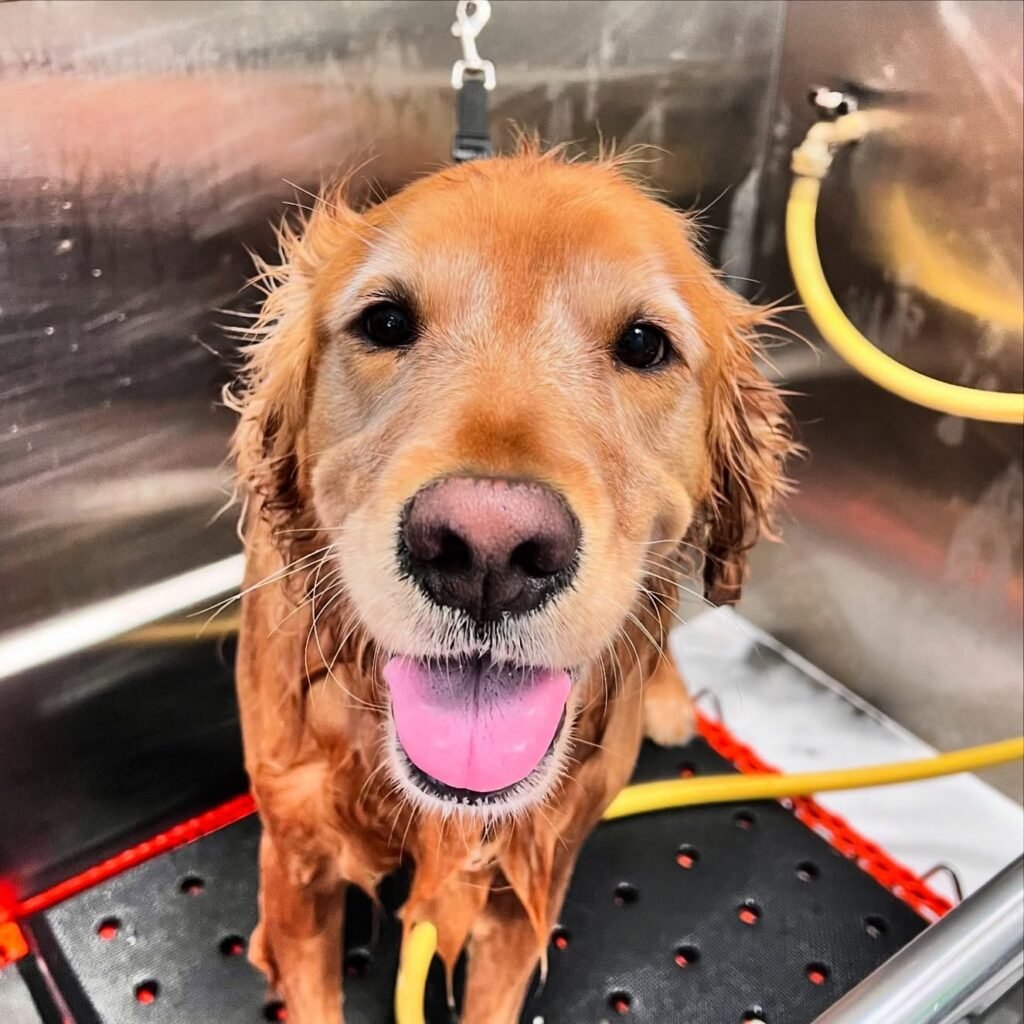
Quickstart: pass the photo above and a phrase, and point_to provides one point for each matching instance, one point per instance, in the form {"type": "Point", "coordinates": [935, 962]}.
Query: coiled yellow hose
{"type": "Point", "coordinates": [418, 950]}
{"type": "Point", "coordinates": [811, 161]}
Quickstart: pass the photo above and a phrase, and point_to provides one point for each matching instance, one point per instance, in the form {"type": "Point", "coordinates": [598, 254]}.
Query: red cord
{"type": "Point", "coordinates": [899, 880]}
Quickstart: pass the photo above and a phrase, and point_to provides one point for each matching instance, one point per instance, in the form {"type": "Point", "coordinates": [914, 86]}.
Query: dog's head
{"type": "Point", "coordinates": [506, 397]}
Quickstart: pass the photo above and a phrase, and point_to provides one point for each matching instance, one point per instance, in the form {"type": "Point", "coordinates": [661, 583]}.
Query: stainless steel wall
{"type": "Point", "coordinates": [902, 569]}
{"type": "Point", "coordinates": [143, 146]}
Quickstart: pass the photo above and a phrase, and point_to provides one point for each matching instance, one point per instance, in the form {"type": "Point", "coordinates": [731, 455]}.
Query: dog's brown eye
{"type": "Point", "coordinates": [388, 325]}
{"type": "Point", "coordinates": [642, 346]}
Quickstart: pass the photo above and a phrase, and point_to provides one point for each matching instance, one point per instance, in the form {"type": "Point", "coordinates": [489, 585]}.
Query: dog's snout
{"type": "Point", "coordinates": [491, 547]}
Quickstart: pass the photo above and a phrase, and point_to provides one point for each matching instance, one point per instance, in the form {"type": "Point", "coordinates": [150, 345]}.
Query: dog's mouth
{"type": "Point", "coordinates": [474, 730]}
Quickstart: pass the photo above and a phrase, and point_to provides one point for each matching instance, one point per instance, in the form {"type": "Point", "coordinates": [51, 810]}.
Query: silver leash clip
{"type": "Point", "coordinates": [470, 18]}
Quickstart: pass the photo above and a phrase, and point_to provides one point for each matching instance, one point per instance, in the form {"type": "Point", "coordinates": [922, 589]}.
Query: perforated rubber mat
{"type": "Point", "coordinates": [711, 915]}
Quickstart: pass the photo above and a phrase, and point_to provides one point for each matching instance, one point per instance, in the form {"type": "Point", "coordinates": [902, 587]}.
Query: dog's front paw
{"type": "Point", "coordinates": [669, 716]}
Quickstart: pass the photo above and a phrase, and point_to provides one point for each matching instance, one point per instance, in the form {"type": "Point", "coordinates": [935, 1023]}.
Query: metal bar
{"type": "Point", "coordinates": [97, 623]}
{"type": "Point", "coordinates": [956, 968]}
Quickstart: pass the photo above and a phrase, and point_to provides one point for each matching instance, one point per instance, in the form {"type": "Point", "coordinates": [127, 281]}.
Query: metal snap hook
{"type": "Point", "coordinates": [471, 16]}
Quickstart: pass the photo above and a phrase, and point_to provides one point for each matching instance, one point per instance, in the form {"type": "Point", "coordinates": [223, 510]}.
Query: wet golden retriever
{"type": "Point", "coordinates": [483, 426]}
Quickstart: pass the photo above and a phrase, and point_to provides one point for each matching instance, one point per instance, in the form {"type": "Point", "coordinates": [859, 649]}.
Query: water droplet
{"type": "Point", "coordinates": [73, 346]}
{"type": "Point", "coordinates": [65, 245]}
{"type": "Point", "coordinates": [66, 205]}
{"type": "Point", "coordinates": [124, 382]}
{"type": "Point", "coordinates": [106, 403]}
{"type": "Point", "coordinates": [14, 428]}
{"type": "Point", "coordinates": [121, 318]}
{"type": "Point", "coordinates": [48, 331]}
{"type": "Point", "coordinates": [951, 430]}
{"type": "Point", "coordinates": [28, 446]}
{"type": "Point", "coordinates": [96, 272]}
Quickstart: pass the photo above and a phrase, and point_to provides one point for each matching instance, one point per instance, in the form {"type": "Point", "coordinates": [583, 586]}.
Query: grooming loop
{"type": "Point", "coordinates": [472, 78]}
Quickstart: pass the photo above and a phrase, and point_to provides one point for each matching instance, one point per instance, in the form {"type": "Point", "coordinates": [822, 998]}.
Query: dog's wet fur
{"type": "Point", "coordinates": [521, 275]}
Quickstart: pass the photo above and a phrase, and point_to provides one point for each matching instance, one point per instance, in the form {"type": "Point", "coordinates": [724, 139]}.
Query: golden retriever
{"type": "Point", "coordinates": [483, 425]}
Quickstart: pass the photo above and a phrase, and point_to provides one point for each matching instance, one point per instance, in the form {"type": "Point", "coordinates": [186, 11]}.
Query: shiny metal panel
{"type": "Point", "coordinates": [902, 569]}
{"type": "Point", "coordinates": [143, 146]}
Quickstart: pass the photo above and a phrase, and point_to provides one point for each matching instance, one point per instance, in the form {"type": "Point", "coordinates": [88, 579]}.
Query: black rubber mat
{"type": "Point", "coordinates": [709, 915]}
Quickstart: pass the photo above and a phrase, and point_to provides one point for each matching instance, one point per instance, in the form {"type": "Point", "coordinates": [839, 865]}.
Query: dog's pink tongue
{"type": "Point", "coordinates": [475, 728]}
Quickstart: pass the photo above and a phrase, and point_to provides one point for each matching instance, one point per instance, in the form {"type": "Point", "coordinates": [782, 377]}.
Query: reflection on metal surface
{"type": "Point", "coordinates": [63, 635]}
{"type": "Point", "coordinates": [929, 264]}
{"type": "Point", "coordinates": [103, 749]}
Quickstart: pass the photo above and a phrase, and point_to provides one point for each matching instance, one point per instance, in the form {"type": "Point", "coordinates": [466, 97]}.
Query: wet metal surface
{"type": "Point", "coordinates": [144, 146]}
{"type": "Point", "coordinates": [902, 571]}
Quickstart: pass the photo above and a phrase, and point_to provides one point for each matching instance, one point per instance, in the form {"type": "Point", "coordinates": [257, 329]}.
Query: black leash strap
{"type": "Point", "coordinates": [472, 131]}
{"type": "Point", "coordinates": [472, 77]}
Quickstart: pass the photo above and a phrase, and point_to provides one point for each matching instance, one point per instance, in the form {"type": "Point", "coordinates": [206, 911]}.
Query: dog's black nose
{"type": "Point", "coordinates": [491, 547]}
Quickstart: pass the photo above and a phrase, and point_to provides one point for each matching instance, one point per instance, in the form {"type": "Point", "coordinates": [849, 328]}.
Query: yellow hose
{"type": "Point", "coordinates": [419, 949]}
{"type": "Point", "coordinates": [417, 952]}
{"type": "Point", "coordinates": [811, 161]}
{"type": "Point", "coordinates": [713, 789]}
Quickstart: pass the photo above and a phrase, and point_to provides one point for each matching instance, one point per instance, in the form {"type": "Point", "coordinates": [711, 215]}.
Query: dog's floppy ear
{"type": "Point", "coordinates": [272, 395]}
{"type": "Point", "coordinates": [749, 435]}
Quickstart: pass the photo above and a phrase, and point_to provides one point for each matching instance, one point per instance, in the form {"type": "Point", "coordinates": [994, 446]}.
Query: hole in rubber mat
{"type": "Point", "coordinates": [625, 894]}
{"type": "Point", "coordinates": [875, 926]}
{"type": "Point", "coordinates": [817, 974]}
{"type": "Point", "coordinates": [687, 856]}
{"type": "Point", "coordinates": [232, 945]}
{"type": "Point", "coordinates": [357, 963]}
{"type": "Point", "coordinates": [755, 1015]}
{"type": "Point", "coordinates": [620, 1002]}
{"type": "Point", "coordinates": [275, 1011]}
{"type": "Point", "coordinates": [191, 885]}
{"type": "Point", "coordinates": [744, 820]}
{"type": "Point", "coordinates": [687, 770]}
{"type": "Point", "coordinates": [146, 992]}
{"type": "Point", "coordinates": [749, 912]}
{"type": "Point", "coordinates": [686, 956]}
{"type": "Point", "coordinates": [807, 871]}
{"type": "Point", "coordinates": [108, 928]}
{"type": "Point", "coordinates": [560, 938]}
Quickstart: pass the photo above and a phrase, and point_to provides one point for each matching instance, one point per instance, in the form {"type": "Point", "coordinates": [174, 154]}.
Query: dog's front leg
{"type": "Point", "coordinates": [502, 959]}
{"type": "Point", "coordinates": [669, 715]}
{"type": "Point", "coordinates": [503, 952]}
{"type": "Point", "coordinates": [297, 943]}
